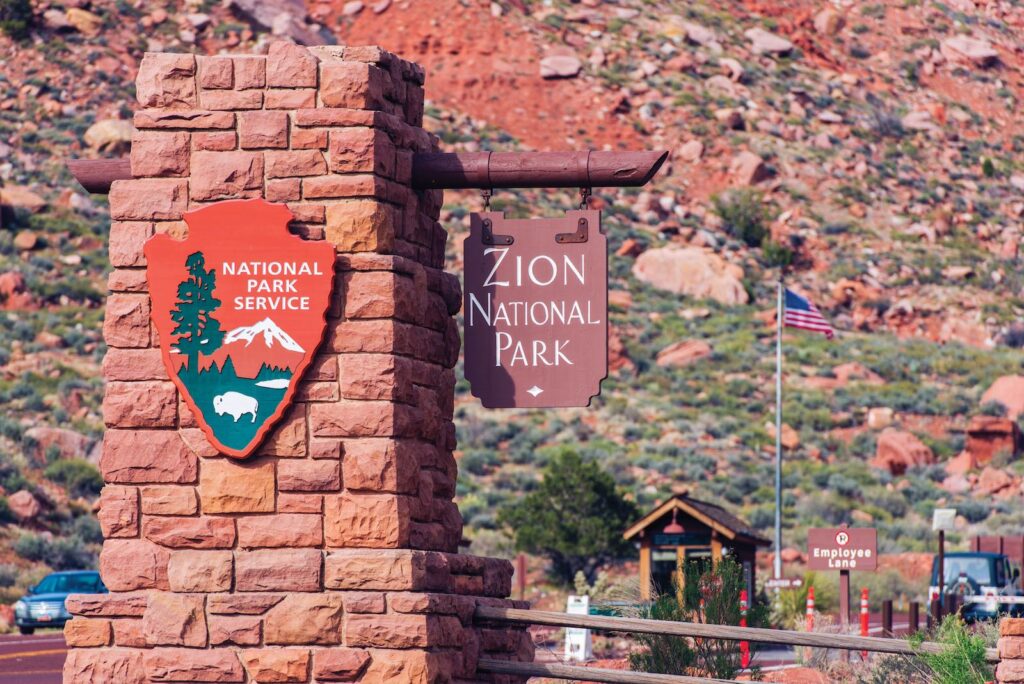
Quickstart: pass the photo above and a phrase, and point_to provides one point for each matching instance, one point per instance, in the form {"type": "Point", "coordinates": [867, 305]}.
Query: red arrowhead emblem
{"type": "Point", "coordinates": [240, 307]}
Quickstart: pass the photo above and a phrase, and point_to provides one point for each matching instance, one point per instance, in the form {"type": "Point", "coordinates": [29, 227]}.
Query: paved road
{"type": "Point", "coordinates": [36, 659]}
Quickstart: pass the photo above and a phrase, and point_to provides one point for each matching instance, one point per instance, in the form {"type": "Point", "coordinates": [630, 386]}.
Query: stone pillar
{"type": "Point", "coordinates": [1011, 651]}
{"type": "Point", "coordinates": [332, 554]}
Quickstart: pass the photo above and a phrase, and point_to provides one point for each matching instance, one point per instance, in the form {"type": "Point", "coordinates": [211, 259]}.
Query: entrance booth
{"type": "Point", "coordinates": [685, 529]}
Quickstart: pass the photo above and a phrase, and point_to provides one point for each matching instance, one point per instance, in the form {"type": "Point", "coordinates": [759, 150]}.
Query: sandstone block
{"type": "Point", "coordinates": [127, 565]}
{"type": "Point", "coordinates": [1010, 648]}
{"type": "Point", "coordinates": [169, 501]}
{"type": "Point", "coordinates": [160, 153]}
{"type": "Point", "coordinates": [308, 476]}
{"type": "Point", "coordinates": [87, 633]}
{"type": "Point", "coordinates": [140, 404]}
{"type": "Point", "coordinates": [263, 130]}
{"type": "Point", "coordinates": [295, 163]}
{"type": "Point", "coordinates": [234, 630]}
{"type": "Point", "coordinates": [318, 391]}
{"type": "Point", "coordinates": [146, 456]}
{"type": "Point", "coordinates": [128, 633]}
{"type": "Point", "coordinates": [339, 664]}
{"type": "Point", "coordinates": [126, 241]}
{"type": "Point", "coordinates": [337, 117]}
{"type": "Point", "coordinates": [108, 605]}
{"type": "Point", "coordinates": [353, 85]}
{"type": "Point", "coordinates": [377, 377]}
{"type": "Point", "coordinates": [309, 139]}
{"type": "Point", "coordinates": [284, 190]}
{"type": "Point", "coordinates": [200, 571]}
{"type": "Point", "coordinates": [187, 665]}
{"type": "Point", "coordinates": [126, 323]}
{"type": "Point", "coordinates": [386, 570]}
{"type": "Point", "coordinates": [1011, 627]}
{"type": "Point", "coordinates": [133, 364]}
{"type": "Point", "coordinates": [288, 439]}
{"type": "Point", "coordinates": [216, 72]}
{"type": "Point", "coordinates": [214, 141]}
{"type": "Point", "coordinates": [175, 620]}
{"type": "Point", "coordinates": [270, 531]}
{"type": "Point", "coordinates": [242, 604]}
{"type": "Point", "coordinates": [227, 486]}
{"type": "Point", "coordinates": [229, 100]}
{"type": "Point", "coordinates": [119, 511]}
{"type": "Point", "coordinates": [204, 532]}
{"type": "Point", "coordinates": [295, 98]}
{"type": "Point", "coordinates": [278, 570]}
{"type": "Point", "coordinates": [361, 419]}
{"type": "Point", "coordinates": [191, 119]}
{"type": "Point", "coordinates": [364, 602]}
{"type": "Point", "coordinates": [305, 619]}
{"type": "Point", "coordinates": [402, 631]}
{"type": "Point", "coordinates": [1010, 671]}
{"type": "Point", "coordinates": [148, 199]}
{"type": "Point", "coordinates": [367, 520]}
{"type": "Point", "coordinates": [277, 664]}
{"type": "Point", "coordinates": [361, 226]}
{"type": "Point", "coordinates": [409, 667]}
{"type": "Point", "coordinates": [166, 80]}
{"type": "Point", "coordinates": [290, 66]}
{"type": "Point", "coordinates": [383, 465]}
{"type": "Point", "coordinates": [362, 150]}
{"type": "Point", "coordinates": [104, 666]}
{"type": "Point", "coordinates": [299, 503]}
{"type": "Point", "coordinates": [225, 175]}
{"type": "Point", "coordinates": [349, 185]}
{"type": "Point", "coordinates": [250, 71]}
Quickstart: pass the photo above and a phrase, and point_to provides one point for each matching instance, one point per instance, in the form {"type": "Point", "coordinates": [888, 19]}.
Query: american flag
{"type": "Point", "coordinates": [800, 313]}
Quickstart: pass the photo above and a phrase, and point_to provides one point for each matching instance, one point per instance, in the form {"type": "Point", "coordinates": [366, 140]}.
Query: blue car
{"type": "Point", "coordinates": [44, 604]}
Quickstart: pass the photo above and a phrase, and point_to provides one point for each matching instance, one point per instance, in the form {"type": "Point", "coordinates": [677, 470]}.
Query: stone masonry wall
{"type": "Point", "coordinates": [332, 554]}
{"type": "Point", "coordinates": [1011, 651]}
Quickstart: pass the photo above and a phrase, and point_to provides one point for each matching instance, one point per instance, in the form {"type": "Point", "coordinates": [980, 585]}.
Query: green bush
{"type": "Point", "coordinates": [5, 511]}
{"type": "Point", "coordinates": [15, 18]}
{"type": "Point", "coordinates": [744, 215]}
{"type": "Point", "coordinates": [963, 662]}
{"type": "Point", "coordinates": [60, 554]}
{"type": "Point", "coordinates": [80, 477]}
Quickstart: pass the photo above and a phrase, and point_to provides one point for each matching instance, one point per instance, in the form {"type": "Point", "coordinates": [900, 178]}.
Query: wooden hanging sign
{"type": "Point", "coordinates": [536, 309]}
{"type": "Point", "coordinates": [240, 308]}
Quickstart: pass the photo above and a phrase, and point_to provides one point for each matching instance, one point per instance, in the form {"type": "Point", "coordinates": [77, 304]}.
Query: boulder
{"type": "Point", "coordinates": [286, 18]}
{"type": "Point", "coordinates": [692, 271]}
{"type": "Point", "coordinates": [897, 451]}
{"type": "Point", "coordinates": [69, 444]}
{"type": "Point", "coordinates": [765, 43]}
{"type": "Point", "coordinates": [989, 435]}
{"type": "Point", "coordinates": [14, 294]}
{"type": "Point", "coordinates": [691, 151]}
{"type": "Point", "coordinates": [880, 417]}
{"type": "Point", "coordinates": [748, 169]}
{"type": "Point", "coordinates": [19, 197]}
{"type": "Point", "coordinates": [26, 240]}
{"type": "Point", "coordinates": [992, 481]}
{"type": "Point", "coordinates": [828, 22]}
{"type": "Point", "coordinates": [84, 21]}
{"type": "Point", "coordinates": [110, 135]}
{"type": "Point", "coordinates": [560, 66]}
{"type": "Point", "coordinates": [24, 505]}
{"type": "Point", "coordinates": [683, 353]}
{"type": "Point", "coordinates": [790, 437]}
{"type": "Point", "coordinates": [961, 464]}
{"type": "Point", "coordinates": [1008, 391]}
{"type": "Point", "coordinates": [964, 50]}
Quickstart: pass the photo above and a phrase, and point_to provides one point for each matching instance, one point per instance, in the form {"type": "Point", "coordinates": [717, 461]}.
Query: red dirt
{"type": "Point", "coordinates": [487, 67]}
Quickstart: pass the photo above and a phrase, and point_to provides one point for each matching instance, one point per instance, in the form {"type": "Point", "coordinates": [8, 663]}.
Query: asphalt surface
{"type": "Point", "coordinates": [36, 659]}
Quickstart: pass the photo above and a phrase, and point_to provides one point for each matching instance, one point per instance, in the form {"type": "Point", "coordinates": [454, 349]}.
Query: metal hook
{"type": "Point", "coordinates": [486, 196]}
{"type": "Point", "coordinates": [585, 194]}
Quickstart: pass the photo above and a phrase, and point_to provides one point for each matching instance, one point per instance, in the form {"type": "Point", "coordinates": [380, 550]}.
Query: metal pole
{"type": "Point", "coordinates": [778, 431]}
{"type": "Point", "coordinates": [844, 608]}
{"type": "Point", "coordinates": [942, 574]}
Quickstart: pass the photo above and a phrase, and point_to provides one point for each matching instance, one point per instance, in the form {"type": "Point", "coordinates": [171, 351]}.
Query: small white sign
{"type": "Point", "coordinates": [943, 519]}
{"type": "Point", "coordinates": [578, 644]}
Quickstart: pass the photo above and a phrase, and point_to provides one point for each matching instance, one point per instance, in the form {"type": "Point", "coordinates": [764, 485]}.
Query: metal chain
{"type": "Point", "coordinates": [585, 194]}
{"type": "Point", "coordinates": [486, 195]}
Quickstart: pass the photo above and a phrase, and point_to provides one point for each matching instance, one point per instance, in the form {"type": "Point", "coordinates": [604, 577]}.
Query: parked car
{"type": "Point", "coordinates": [988, 585]}
{"type": "Point", "coordinates": [43, 606]}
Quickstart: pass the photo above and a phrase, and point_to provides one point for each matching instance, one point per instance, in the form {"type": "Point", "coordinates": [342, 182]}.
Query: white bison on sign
{"type": "Point", "coordinates": [236, 405]}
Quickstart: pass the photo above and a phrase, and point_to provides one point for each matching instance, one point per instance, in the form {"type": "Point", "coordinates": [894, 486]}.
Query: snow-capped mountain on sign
{"type": "Point", "coordinates": [271, 333]}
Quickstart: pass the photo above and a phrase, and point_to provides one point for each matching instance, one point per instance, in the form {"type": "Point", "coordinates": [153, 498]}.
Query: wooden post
{"type": "Point", "coordinates": [942, 573]}
{"type": "Point", "coordinates": [887, 618]}
{"type": "Point", "coordinates": [914, 617]}
{"type": "Point", "coordinates": [844, 607]}
{"type": "Point", "coordinates": [645, 570]}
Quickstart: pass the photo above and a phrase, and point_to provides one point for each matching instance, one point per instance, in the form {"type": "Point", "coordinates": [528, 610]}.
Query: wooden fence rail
{"type": "Point", "coordinates": [588, 674]}
{"type": "Point", "coordinates": [689, 629]}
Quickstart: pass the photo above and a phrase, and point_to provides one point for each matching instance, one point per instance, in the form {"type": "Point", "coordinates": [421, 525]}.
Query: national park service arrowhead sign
{"type": "Point", "coordinates": [240, 308]}
{"type": "Point", "coordinates": [536, 309]}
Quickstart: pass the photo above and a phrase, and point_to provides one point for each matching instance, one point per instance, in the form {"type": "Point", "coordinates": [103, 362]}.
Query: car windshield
{"type": "Point", "coordinates": [978, 569]}
{"type": "Point", "coordinates": [69, 584]}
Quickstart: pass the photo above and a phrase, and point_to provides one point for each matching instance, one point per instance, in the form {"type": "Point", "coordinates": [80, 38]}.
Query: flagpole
{"type": "Point", "coordinates": [778, 430]}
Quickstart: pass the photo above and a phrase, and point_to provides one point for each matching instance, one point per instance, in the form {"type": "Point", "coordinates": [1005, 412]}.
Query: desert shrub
{"type": "Point", "coordinates": [15, 18]}
{"type": "Point", "coordinates": [8, 575]}
{"type": "Point", "coordinates": [80, 477]}
{"type": "Point", "coordinates": [87, 528]}
{"type": "Point", "coordinates": [1014, 336]}
{"type": "Point", "coordinates": [975, 510]}
{"type": "Point", "coordinates": [963, 662]}
{"type": "Point", "coordinates": [707, 594]}
{"type": "Point", "coordinates": [60, 554]}
{"type": "Point", "coordinates": [776, 255]}
{"type": "Point", "coordinates": [996, 409]}
{"type": "Point", "coordinates": [744, 215]}
{"type": "Point", "coordinates": [5, 511]}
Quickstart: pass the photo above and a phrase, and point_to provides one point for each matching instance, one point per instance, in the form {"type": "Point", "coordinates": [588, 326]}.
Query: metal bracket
{"type": "Point", "coordinates": [582, 230]}
{"type": "Point", "coordinates": [489, 238]}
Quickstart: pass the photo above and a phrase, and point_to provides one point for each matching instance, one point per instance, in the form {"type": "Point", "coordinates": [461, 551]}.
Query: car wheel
{"type": "Point", "coordinates": [27, 630]}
